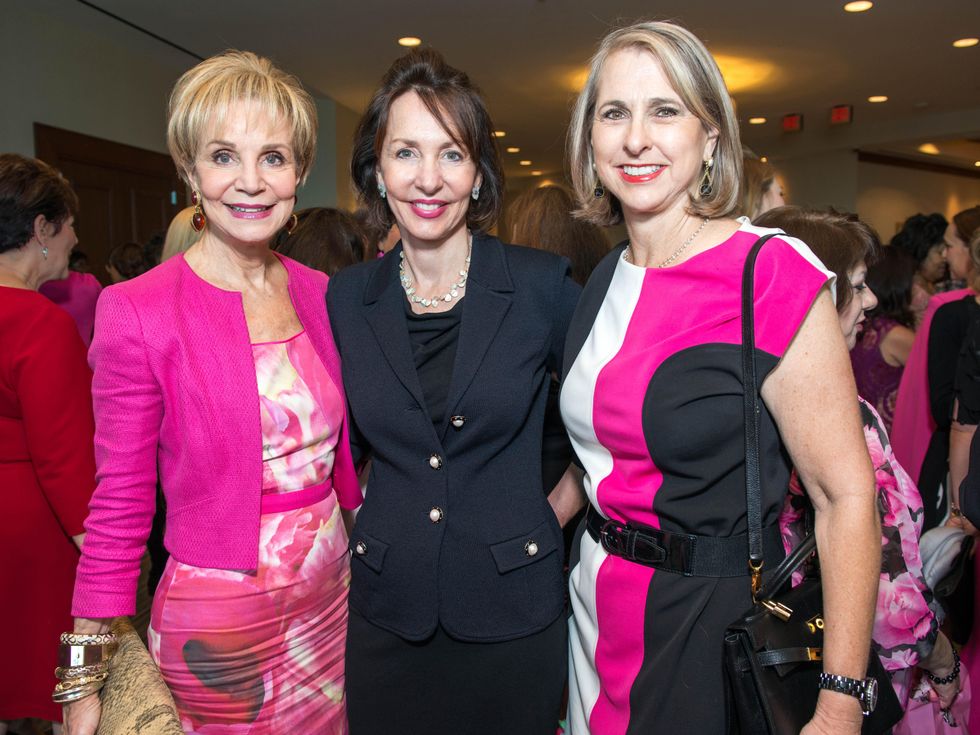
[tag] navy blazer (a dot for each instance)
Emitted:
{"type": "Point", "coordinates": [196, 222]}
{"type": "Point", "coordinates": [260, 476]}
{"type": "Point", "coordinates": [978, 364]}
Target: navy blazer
{"type": "Point", "coordinates": [455, 528]}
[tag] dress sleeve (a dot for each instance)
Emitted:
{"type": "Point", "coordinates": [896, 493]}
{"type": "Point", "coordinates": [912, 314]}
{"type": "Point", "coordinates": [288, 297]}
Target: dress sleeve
{"type": "Point", "coordinates": [128, 412]}
{"type": "Point", "coordinates": [967, 381]}
{"type": "Point", "coordinates": [54, 387]}
{"type": "Point", "coordinates": [905, 626]}
{"type": "Point", "coordinates": [788, 278]}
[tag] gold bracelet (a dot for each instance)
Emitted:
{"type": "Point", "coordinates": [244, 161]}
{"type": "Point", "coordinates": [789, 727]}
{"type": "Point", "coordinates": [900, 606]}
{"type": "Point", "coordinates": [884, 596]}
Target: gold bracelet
{"type": "Point", "coordinates": [78, 681]}
{"type": "Point", "coordinates": [88, 639]}
{"type": "Point", "coordinates": [73, 695]}
{"type": "Point", "coordinates": [71, 672]}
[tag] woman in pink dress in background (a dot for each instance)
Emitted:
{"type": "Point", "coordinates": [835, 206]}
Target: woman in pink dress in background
{"type": "Point", "coordinates": [219, 367]}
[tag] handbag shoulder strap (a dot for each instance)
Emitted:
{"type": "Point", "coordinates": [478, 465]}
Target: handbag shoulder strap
{"type": "Point", "coordinates": [750, 392]}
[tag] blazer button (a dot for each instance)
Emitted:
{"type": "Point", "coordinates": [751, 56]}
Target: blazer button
{"type": "Point", "coordinates": [435, 515]}
{"type": "Point", "coordinates": [360, 548]}
{"type": "Point", "coordinates": [435, 462]}
{"type": "Point", "coordinates": [531, 548]}
{"type": "Point", "coordinates": [457, 421]}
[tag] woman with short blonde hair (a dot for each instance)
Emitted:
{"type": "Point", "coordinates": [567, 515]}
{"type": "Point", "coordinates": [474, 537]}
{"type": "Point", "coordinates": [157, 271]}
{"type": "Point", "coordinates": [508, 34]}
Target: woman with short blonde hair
{"type": "Point", "coordinates": [219, 367]}
{"type": "Point", "coordinates": [652, 400]}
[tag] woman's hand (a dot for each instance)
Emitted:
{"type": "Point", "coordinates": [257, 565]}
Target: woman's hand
{"type": "Point", "coordinates": [82, 717]}
{"type": "Point", "coordinates": [836, 714]}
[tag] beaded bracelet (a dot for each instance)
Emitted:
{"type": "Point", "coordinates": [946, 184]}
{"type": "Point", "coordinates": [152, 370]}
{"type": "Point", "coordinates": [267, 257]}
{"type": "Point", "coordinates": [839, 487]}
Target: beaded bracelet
{"type": "Point", "coordinates": [952, 676]}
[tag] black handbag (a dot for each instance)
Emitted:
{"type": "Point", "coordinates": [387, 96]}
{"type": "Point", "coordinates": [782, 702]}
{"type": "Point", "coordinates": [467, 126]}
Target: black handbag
{"type": "Point", "coordinates": [773, 653]}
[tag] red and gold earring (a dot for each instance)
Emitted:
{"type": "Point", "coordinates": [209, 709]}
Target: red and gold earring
{"type": "Point", "coordinates": [198, 220]}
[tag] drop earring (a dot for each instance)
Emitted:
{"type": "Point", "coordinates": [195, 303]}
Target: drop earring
{"type": "Point", "coordinates": [382, 190]}
{"type": "Point", "coordinates": [198, 220]}
{"type": "Point", "coordinates": [706, 178]}
{"type": "Point", "coordinates": [598, 192]}
{"type": "Point", "coordinates": [44, 252]}
{"type": "Point", "coordinates": [475, 193]}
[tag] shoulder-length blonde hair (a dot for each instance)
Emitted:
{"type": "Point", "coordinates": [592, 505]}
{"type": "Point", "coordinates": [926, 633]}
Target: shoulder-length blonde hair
{"type": "Point", "coordinates": [202, 97]}
{"type": "Point", "coordinates": [694, 75]}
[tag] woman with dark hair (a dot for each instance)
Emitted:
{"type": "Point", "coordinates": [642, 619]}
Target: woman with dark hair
{"type": "Point", "coordinates": [126, 262]}
{"type": "Point", "coordinates": [923, 409]}
{"type": "Point", "coordinates": [921, 237]}
{"type": "Point", "coordinates": [448, 345]}
{"type": "Point", "coordinates": [884, 344]}
{"type": "Point", "coordinates": [324, 239]}
{"type": "Point", "coordinates": [906, 631]}
{"type": "Point", "coordinates": [47, 463]}
{"type": "Point", "coordinates": [542, 218]}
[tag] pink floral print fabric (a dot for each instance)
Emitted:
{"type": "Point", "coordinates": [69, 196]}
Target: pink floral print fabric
{"type": "Point", "coordinates": [257, 653]}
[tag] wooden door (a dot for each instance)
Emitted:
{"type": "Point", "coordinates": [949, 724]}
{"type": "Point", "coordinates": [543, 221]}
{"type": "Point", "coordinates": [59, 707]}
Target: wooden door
{"type": "Point", "coordinates": [126, 194]}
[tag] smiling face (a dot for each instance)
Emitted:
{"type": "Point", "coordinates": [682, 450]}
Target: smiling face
{"type": "Point", "coordinates": [246, 175]}
{"type": "Point", "coordinates": [862, 300]}
{"type": "Point", "coordinates": [428, 176]}
{"type": "Point", "coordinates": [649, 149]}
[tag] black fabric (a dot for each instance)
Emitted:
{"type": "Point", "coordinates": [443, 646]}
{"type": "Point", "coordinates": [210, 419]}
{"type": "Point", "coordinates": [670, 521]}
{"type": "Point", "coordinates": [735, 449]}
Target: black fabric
{"type": "Point", "coordinates": [488, 477]}
{"type": "Point", "coordinates": [970, 487]}
{"type": "Point", "coordinates": [434, 339]}
{"type": "Point", "coordinates": [967, 381]}
{"type": "Point", "coordinates": [441, 686]}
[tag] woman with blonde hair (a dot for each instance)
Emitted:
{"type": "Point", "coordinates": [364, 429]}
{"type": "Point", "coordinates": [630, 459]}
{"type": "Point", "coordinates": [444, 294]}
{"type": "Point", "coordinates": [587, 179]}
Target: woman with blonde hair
{"type": "Point", "coordinates": [652, 398]}
{"type": "Point", "coordinates": [219, 367]}
{"type": "Point", "coordinates": [761, 188]}
{"type": "Point", "coordinates": [180, 234]}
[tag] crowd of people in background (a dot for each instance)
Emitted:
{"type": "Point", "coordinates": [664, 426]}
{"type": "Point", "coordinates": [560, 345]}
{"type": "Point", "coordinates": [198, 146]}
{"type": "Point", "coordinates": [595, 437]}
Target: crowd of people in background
{"type": "Point", "coordinates": [519, 416]}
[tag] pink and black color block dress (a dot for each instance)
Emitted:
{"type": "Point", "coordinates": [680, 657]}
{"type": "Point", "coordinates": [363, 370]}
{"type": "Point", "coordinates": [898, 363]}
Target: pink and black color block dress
{"type": "Point", "coordinates": [652, 400]}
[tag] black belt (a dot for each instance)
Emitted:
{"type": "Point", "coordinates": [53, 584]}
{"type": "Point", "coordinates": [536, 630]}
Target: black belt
{"type": "Point", "coordinates": [681, 553]}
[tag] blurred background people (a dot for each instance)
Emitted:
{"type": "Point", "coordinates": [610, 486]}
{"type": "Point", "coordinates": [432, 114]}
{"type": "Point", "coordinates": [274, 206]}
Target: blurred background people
{"type": "Point", "coordinates": [541, 218]}
{"type": "Point", "coordinates": [125, 262]}
{"type": "Point", "coordinates": [218, 369]}
{"type": "Point", "coordinates": [47, 464]}
{"type": "Point", "coordinates": [180, 234]}
{"type": "Point", "coordinates": [324, 238]}
{"type": "Point", "coordinates": [77, 293]}
{"type": "Point", "coordinates": [762, 189]}
{"type": "Point", "coordinates": [883, 346]}
{"type": "Point", "coordinates": [921, 237]}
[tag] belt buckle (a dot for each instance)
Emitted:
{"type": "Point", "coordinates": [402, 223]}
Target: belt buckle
{"type": "Point", "coordinates": [631, 543]}
{"type": "Point", "coordinates": [611, 536]}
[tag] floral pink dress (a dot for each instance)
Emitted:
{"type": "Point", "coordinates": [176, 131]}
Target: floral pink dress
{"type": "Point", "coordinates": [905, 626]}
{"type": "Point", "coordinates": [262, 652]}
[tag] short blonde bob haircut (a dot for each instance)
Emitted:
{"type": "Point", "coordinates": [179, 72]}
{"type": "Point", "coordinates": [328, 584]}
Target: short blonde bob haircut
{"type": "Point", "coordinates": [203, 96]}
{"type": "Point", "coordinates": [694, 75]}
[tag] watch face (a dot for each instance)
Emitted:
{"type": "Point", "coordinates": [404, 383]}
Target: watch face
{"type": "Point", "coordinates": [870, 695]}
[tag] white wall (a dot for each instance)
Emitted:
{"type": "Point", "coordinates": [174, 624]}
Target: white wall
{"type": "Point", "coordinates": [887, 194]}
{"type": "Point", "coordinates": [69, 66]}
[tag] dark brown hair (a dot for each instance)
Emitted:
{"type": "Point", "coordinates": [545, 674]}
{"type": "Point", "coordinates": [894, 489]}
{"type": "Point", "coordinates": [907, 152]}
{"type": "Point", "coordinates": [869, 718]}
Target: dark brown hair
{"type": "Point", "coordinates": [841, 241]}
{"type": "Point", "coordinates": [542, 218]}
{"type": "Point", "coordinates": [455, 102]}
{"type": "Point", "coordinates": [890, 279]}
{"type": "Point", "coordinates": [967, 222]}
{"type": "Point", "coordinates": [324, 238]}
{"type": "Point", "coordinates": [29, 187]}
{"type": "Point", "coordinates": [128, 260]}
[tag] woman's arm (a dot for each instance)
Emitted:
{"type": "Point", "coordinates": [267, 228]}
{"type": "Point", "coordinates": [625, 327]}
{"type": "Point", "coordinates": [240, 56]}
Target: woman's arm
{"type": "Point", "coordinates": [826, 443]}
{"type": "Point", "coordinates": [568, 496]}
{"type": "Point", "coordinates": [897, 345]}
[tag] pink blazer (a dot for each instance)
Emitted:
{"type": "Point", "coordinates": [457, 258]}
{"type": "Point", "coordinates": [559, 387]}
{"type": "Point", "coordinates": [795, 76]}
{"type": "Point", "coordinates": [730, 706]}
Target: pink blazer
{"type": "Point", "coordinates": [174, 387]}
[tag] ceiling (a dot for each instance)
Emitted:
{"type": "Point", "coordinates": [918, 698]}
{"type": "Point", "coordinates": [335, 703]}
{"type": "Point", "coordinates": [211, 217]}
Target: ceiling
{"type": "Point", "coordinates": [529, 57]}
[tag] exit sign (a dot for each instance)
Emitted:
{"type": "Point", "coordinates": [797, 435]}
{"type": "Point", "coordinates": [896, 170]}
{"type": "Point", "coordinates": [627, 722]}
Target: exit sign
{"type": "Point", "coordinates": [841, 114]}
{"type": "Point", "coordinates": [792, 123]}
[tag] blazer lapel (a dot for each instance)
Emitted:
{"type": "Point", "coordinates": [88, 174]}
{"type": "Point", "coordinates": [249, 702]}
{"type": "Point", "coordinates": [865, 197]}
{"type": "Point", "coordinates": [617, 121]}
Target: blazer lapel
{"type": "Point", "coordinates": [488, 298]}
{"type": "Point", "coordinates": [385, 314]}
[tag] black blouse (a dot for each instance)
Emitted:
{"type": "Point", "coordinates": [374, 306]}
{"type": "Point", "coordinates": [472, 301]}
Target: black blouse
{"type": "Point", "coordinates": [434, 338]}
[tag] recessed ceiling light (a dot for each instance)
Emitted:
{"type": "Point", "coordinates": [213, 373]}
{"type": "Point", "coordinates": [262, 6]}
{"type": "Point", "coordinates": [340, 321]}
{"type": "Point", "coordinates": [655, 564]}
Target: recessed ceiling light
{"type": "Point", "coordinates": [525, 163]}
{"type": "Point", "coordinates": [513, 149]}
{"type": "Point", "coordinates": [409, 41]}
{"type": "Point", "coordinates": [858, 6]}
{"type": "Point", "coordinates": [878, 98]}
{"type": "Point", "coordinates": [757, 121]}
{"type": "Point", "coordinates": [929, 148]}
{"type": "Point", "coordinates": [764, 159]}
{"type": "Point", "coordinates": [977, 164]}
{"type": "Point", "coordinates": [499, 133]}
{"type": "Point", "coordinates": [966, 42]}
{"type": "Point", "coordinates": [535, 173]}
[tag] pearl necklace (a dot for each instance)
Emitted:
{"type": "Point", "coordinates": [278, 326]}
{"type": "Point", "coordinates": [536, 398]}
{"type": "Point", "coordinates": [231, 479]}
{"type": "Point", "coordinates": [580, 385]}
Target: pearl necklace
{"type": "Point", "coordinates": [628, 252]}
{"type": "Point", "coordinates": [453, 292]}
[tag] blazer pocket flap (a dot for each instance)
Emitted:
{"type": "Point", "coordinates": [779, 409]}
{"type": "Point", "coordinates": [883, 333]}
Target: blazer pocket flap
{"type": "Point", "coordinates": [525, 549]}
{"type": "Point", "coordinates": [368, 550]}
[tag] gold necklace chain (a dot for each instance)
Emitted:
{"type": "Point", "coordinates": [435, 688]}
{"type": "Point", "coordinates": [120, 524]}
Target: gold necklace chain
{"type": "Point", "coordinates": [628, 253]}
